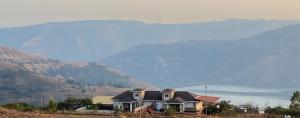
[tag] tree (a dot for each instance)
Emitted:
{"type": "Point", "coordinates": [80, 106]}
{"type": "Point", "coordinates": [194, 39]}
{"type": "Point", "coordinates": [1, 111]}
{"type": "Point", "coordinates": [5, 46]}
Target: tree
{"type": "Point", "coordinates": [52, 106]}
{"type": "Point", "coordinates": [295, 101]}
{"type": "Point", "coordinates": [211, 109]}
{"type": "Point", "coordinates": [74, 103]}
{"type": "Point", "coordinates": [86, 101]}
{"type": "Point", "coordinates": [225, 106]}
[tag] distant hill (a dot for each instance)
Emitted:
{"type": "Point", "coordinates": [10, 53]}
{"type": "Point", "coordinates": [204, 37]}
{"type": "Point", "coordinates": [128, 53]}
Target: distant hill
{"type": "Point", "coordinates": [30, 78]}
{"type": "Point", "coordinates": [94, 40]}
{"type": "Point", "coordinates": [270, 59]}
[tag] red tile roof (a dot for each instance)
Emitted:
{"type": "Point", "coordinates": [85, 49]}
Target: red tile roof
{"type": "Point", "coordinates": [210, 99]}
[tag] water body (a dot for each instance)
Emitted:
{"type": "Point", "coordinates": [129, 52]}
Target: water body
{"type": "Point", "coordinates": [260, 97]}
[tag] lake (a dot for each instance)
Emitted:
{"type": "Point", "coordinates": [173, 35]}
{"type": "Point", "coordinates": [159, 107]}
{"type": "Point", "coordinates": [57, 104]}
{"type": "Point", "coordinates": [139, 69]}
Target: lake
{"type": "Point", "coordinates": [261, 97]}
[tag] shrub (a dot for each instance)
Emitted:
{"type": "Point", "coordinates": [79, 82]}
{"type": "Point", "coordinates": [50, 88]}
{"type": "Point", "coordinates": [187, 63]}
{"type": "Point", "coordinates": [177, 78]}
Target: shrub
{"type": "Point", "coordinates": [283, 111]}
{"type": "Point", "coordinates": [210, 110]}
{"type": "Point", "coordinates": [73, 103]}
{"type": "Point", "coordinates": [52, 106]}
{"type": "Point", "coordinates": [170, 111]}
{"type": "Point", "coordinates": [20, 106]}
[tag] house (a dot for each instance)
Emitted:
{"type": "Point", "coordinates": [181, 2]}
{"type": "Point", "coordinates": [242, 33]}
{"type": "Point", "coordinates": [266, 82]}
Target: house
{"type": "Point", "coordinates": [181, 101]}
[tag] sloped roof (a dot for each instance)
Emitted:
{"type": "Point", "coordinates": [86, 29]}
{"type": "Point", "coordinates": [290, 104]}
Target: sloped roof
{"type": "Point", "coordinates": [179, 96]}
{"type": "Point", "coordinates": [152, 95]}
{"type": "Point", "coordinates": [125, 97]}
{"type": "Point", "coordinates": [184, 95]}
{"type": "Point", "coordinates": [102, 99]}
{"type": "Point", "coordinates": [176, 100]}
{"type": "Point", "coordinates": [168, 90]}
{"type": "Point", "coordinates": [210, 99]}
{"type": "Point", "coordinates": [187, 96]}
{"type": "Point", "coordinates": [139, 89]}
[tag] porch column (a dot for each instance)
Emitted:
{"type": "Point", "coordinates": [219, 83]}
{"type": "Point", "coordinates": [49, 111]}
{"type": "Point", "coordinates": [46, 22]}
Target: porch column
{"type": "Point", "coordinates": [183, 108]}
{"type": "Point", "coordinates": [130, 107]}
{"type": "Point", "coordinates": [119, 106]}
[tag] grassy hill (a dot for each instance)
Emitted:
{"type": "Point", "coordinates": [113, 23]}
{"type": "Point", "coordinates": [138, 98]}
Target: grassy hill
{"type": "Point", "coordinates": [30, 78]}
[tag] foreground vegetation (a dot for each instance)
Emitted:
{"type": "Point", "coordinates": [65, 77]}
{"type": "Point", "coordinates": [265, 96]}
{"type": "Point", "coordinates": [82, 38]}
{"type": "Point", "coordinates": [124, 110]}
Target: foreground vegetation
{"type": "Point", "coordinates": [70, 104]}
{"type": "Point", "coordinates": [6, 113]}
{"type": "Point", "coordinates": [66, 109]}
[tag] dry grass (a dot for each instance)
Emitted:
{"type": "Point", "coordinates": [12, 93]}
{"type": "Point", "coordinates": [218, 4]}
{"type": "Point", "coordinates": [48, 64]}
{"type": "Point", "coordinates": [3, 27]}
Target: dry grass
{"type": "Point", "coordinates": [4, 113]}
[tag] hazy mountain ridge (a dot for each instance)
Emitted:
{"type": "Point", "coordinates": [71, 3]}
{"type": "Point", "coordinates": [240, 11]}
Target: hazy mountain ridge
{"type": "Point", "coordinates": [266, 60]}
{"type": "Point", "coordinates": [93, 40]}
{"type": "Point", "coordinates": [85, 71]}
{"type": "Point", "coordinates": [29, 78]}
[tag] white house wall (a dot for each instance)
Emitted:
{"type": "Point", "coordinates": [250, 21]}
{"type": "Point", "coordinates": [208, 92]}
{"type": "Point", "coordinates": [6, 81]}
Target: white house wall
{"type": "Point", "coordinates": [159, 105]}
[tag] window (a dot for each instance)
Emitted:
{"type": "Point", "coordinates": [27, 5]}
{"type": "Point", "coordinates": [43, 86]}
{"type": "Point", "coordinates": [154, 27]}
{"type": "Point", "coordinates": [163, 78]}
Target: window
{"type": "Point", "coordinates": [136, 95]}
{"type": "Point", "coordinates": [166, 95]}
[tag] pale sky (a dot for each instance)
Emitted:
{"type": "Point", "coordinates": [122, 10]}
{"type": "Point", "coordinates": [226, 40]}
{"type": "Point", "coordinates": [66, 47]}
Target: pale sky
{"type": "Point", "coordinates": [26, 12]}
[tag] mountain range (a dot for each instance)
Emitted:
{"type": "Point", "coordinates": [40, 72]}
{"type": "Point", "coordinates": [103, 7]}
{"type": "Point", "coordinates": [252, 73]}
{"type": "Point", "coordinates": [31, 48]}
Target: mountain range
{"type": "Point", "coordinates": [98, 39]}
{"type": "Point", "coordinates": [31, 78]}
{"type": "Point", "coordinates": [270, 59]}
{"type": "Point", "coordinates": [87, 58]}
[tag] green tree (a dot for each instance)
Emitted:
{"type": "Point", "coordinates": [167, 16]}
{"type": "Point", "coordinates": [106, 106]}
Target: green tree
{"type": "Point", "coordinates": [74, 103]}
{"type": "Point", "coordinates": [295, 101]}
{"type": "Point", "coordinates": [211, 109]}
{"type": "Point", "coordinates": [52, 106]}
{"type": "Point", "coordinates": [225, 106]}
{"type": "Point", "coordinates": [86, 101]}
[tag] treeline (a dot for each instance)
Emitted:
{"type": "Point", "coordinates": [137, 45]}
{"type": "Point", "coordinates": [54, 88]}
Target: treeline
{"type": "Point", "coordinates": [227, 109]}
{"type": "Point", "coordinates": [69, 104]}
{"type": "Point", "coordinates": [222, 108]}
{"type": "Point", "coordinates": [293, 110]}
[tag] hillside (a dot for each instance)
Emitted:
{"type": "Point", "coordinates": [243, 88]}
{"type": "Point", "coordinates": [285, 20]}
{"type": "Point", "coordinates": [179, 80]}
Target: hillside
{"type": "Point", "coordinates": [25, 86]}
{"type": "Point", "coordinates": [270, 59]}
{"type": "Point", "coordinates": [94, 40]}
{"type": "Point", "coordinates": [30, 78]}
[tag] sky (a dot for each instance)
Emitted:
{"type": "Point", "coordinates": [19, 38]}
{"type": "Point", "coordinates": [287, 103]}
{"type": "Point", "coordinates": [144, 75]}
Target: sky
{"type": "Point", "coordinates": [27, 12]}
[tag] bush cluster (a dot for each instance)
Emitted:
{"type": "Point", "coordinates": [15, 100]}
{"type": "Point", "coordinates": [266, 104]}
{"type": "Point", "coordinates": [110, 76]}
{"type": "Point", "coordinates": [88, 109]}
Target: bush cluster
{"type": "Point", "coordinates": [20, 106]}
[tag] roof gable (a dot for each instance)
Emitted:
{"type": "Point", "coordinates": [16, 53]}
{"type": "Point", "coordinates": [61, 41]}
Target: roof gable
{"type": "Point", "coordinates": [168, 90]}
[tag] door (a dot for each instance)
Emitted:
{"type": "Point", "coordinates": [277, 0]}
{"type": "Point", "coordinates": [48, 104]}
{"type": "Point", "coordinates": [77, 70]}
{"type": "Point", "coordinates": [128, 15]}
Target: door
{"type": "Point", "coordinates": [158, 106]}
